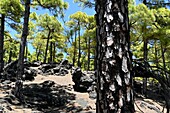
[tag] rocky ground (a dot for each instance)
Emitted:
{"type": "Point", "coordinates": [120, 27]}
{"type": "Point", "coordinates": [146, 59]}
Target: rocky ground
{"type": "Point", "coordinates": [55, 93]}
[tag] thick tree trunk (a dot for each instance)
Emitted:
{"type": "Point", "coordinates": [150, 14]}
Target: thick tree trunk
{"type": "Point", "coordinates": [2, 27]}
{"type": "Point", "coordinates": [75, 46]}
{"type": "Point", "coordinates": [20, 70]}
{"type": "Point", "coordinates": [113, 66]}
{"type": "Point", "coordinates": [79, 55]}
{"type": "Point", "coordinates": [145, 55]}
{"type": "Point", "coordinates": [88, 62]}
{"type": "Point", "coordinates": [48, 39]}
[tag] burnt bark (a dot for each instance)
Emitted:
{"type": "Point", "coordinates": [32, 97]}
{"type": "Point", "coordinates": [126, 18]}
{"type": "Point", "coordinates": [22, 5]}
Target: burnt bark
{"type": "Point", "coordinates": [2, 27]}
{"type": "Point", "coordinates": [20, 65]}
{"type": "Point", "coordinates": [145, 55]}
{"type": "Point", "coordinates": [113, 61]}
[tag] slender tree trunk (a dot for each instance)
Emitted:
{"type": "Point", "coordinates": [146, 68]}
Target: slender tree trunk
{"type": "Point", "coordinates": [88, 62]}
{"type": "Point", "coordinates": [156, 53]}
{"type": "Point", "coordinates": [2, 27]}
{"type": "Point", "coordinates": [10, 56]}
{"type": "Point", "coordinates": [51, 52]}
{"type": "Point", "coordinates": [145, 55]}
{"type": "Point", "coordinates": [48, 39]}
{"type": "Point", "coordinates": [79, 55]}
{"type": "Point", "coordinates": [156, 58]}
{"type": "Point", "coordinates": [113, 61]}
{"type": "Point", "coordinates": [75, 46]}
{"type": "Point", "coordinates": [54, 51]}
{"type": "Point", "coordinates": [20, 70]}
{"type": "Point", "coordinates": [38, 51]}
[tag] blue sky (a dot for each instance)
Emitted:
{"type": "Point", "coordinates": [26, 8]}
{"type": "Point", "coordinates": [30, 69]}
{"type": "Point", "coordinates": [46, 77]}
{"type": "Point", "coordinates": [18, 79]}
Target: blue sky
{"type": "Point", "coordinates": [73, 8]}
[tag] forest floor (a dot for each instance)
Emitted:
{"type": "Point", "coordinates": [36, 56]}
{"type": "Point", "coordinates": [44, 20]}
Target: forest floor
{"type": "Point", "coordinates": [76, 102]}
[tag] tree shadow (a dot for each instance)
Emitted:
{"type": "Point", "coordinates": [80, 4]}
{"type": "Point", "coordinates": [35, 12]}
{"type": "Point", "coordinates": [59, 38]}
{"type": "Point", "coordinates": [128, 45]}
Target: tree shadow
{"type": "Point", "coordinates": [49, 97]}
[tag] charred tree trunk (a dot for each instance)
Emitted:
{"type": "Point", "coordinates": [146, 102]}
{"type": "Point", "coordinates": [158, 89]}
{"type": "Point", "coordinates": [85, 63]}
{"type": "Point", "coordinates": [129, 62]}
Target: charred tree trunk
{"type": "Point", "coordinates": [75, 46]}
{"type": "Point", "coordinates": [48, 39]}
{"type": "Point", "coordinates": [20, 70]}
{"type": "Point", "coordinates": [2, 27]}
{"type": "Point", "coordinates": [113, 66]}
{"type": "Point", "coordinates": [145, 54]}
{"type": "Point", "coordinates": [88, 65]}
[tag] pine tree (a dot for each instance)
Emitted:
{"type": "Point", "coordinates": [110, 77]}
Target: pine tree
{"type": "Point", "coordinates": [113, 60]}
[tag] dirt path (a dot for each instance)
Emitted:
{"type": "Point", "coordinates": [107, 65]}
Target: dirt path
{"type": "Point", "coordinates": [81, 100]}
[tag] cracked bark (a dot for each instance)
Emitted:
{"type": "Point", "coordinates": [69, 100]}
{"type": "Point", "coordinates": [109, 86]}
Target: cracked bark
{"type": "Point", "coordinates": [113, 61]}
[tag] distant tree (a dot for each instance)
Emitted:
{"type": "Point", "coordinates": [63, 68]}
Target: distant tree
{"type": "Point", "coordinates": [113, 60]}
{"type": "Point", "coordinates": [79, 19]}
{"type": "Point", "coordinates": [49, 25]}
{"type": "Point", "coordinates": [72, 41]}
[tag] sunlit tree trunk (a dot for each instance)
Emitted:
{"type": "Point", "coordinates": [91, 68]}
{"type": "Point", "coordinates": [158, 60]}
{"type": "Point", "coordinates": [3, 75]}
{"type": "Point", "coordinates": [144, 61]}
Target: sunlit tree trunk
{"type": "Point", "coordinates": [2, 27]}
{"type": "Point", "coordinates": [113, 66]}
{"type": "Point", "coordinates": [75, 46]}
{"type": "Point", "coordinates": [79, 54]}
{"type": "Point", "coordinates": [20, 70]}
{"type": "Point", "coordinates": [26, 52]}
